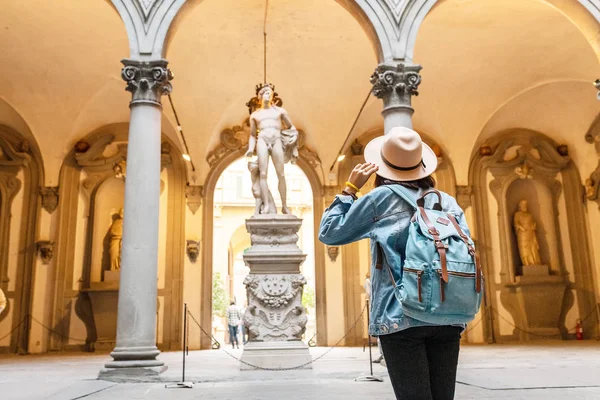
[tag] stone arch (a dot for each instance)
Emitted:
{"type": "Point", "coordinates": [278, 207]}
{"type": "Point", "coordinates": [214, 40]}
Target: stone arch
{"type": "Point", "coordinates": [232, 147]}
{"type": "Point", "coordinates": [21, 171]}
{"type": "Point", "coordinates": [96, 155]}
{"type": "Point", "coordinates": [147, 23]}
{"type": "Point", "coordinates": [495, 165]}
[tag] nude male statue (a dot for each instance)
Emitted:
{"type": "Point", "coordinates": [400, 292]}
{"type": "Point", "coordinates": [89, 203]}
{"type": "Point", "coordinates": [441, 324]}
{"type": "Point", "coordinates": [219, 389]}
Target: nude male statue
{"type": "Point", "coordinates": [525, 227]}
{"type": "Point", "coordinates": [268, 139]}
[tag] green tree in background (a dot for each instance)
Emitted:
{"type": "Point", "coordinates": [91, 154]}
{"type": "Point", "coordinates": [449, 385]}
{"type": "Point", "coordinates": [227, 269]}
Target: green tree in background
{"type": "Point", "coordinates": [219, 304]}
{"type": "Point", "coordinates": [308, 297]}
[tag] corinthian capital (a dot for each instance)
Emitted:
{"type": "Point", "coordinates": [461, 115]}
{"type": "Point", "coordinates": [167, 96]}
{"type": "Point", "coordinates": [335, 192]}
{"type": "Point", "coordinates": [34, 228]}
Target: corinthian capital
{"type": "Point", "coordinates": [147, 80]}
{"type": "Point", "coordinates": [396, 82]}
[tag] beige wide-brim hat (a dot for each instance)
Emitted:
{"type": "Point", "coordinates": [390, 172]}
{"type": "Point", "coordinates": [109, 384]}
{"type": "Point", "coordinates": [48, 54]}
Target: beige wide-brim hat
{"type": "Point", "coordinates": [401, 155]}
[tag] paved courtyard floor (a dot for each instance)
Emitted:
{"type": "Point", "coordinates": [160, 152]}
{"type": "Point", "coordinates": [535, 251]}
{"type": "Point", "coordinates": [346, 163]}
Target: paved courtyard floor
{"type": "Point", "coordinates": [549, 370]}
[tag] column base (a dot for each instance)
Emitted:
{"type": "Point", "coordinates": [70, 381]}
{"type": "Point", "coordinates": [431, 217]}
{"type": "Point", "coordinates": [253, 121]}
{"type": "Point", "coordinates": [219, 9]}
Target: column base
{"type": "Point", "coordinates": [123, 374]}
{"type": "Point", "coordinates": [133, 364]}
{"type": "Point", "coordinates": [290, 354]}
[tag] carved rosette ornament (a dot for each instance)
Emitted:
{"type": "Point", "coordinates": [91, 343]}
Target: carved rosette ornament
{"type": "Point", "coordinates": [275, 312]}
{"type": "Point", "coordinates": [147, 81]}
{"type": "Point", "coordinates": [395, 84]}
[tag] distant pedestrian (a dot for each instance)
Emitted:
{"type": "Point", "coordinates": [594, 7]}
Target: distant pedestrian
{"type": "Point", "coordinates": [233, 320]}
{"type": "Point", "coordinates": [242, 328]}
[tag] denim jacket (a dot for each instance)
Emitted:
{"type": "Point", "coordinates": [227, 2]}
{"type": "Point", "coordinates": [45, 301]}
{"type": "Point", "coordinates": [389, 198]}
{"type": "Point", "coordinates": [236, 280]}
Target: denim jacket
{"type": "Point", "coordinates": [384, 217]}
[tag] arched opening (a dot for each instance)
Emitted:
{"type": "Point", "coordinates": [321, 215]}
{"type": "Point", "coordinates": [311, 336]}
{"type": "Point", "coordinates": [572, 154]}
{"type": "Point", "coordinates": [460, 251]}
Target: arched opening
{"type": "Point", "coordinates": [308, 169]}
{"type": "Point", "coordinates": [233, 204]}
{"type": "Point", "coordinates": [21, 176]}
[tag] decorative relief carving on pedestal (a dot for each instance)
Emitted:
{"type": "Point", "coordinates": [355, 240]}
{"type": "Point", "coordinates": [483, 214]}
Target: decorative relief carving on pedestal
{"type": "Point", "coordinates": [49, 198]}
{"type": "Point", "coordinates": [396, 83]}
{"type": "Point", "coordinates": [193, 194]}
{"type": "Point", "coordinates": [275, 312]}
{"type": "Point", "coordinates": [274, 236]}
{"type": "Point", "coordinates": [147, 81]}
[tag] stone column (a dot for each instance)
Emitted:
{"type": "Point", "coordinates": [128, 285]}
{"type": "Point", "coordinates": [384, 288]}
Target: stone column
{"type": "Point", "coordinates": [395, 84]}
{"type": "Point", "coordinates": [135, 352]}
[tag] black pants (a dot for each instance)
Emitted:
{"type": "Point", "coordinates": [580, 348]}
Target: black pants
{"type": "Point", "coordinates": [422, 362]}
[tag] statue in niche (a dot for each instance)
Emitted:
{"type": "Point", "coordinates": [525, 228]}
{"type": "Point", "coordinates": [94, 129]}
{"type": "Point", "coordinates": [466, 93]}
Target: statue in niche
{"type": "Point", "coordinates": [268, 138]}
{"type": "Point", "coordinates": [525, 226]}
{"type": "Point", "coordinates": [254, 175]}
{"type": "Point", "coordinates": [116, 239]}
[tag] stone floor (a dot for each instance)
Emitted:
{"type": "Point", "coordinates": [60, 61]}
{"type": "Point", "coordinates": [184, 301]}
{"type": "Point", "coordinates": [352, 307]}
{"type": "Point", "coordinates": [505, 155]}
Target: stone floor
{"type": "Point", "coordinates": [549, 370]}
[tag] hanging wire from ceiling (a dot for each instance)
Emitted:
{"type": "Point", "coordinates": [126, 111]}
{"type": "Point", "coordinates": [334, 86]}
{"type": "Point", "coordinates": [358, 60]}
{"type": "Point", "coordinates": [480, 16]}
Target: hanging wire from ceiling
{"type": "Point", "coordinates": [265, 41]}
{"type": "Point", "coordinates": [186, 155]}
{"type": "Point", "coordinates": [340, 155]}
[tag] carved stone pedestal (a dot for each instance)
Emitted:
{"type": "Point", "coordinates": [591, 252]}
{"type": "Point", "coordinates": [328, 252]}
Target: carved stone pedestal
{"type": "Point", "coordinates": [540, 297]}
{"type": "Point", "coordinates": [104, 297]}
{"type": "Point", "coordinates": [275, 317]}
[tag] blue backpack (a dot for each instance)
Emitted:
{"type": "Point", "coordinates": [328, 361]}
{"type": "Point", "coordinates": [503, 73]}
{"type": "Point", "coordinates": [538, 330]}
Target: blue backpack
{"type": "Point", "coordinates": [441, 274]}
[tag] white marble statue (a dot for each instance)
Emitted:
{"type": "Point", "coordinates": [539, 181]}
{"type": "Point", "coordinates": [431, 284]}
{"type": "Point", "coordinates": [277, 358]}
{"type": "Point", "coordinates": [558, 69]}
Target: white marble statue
{"type": "Point", "coordinates": [256, 191]}
{"type": "Point", "coordinates": [269, 139]}
{"type": "Point", "coordinates": [116, 240]}
{"type": "Point", "coordinates": [525, 226]}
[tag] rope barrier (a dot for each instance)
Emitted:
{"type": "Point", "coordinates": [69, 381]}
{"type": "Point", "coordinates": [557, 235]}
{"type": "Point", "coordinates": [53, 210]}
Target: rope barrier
{"type": "Point", "coordinates": [215, 345]}
{"type": "Point", "coordinates": [360, 317]}
{"type": "Point", "coordinates": [472, 326]}
{"type": "Point", "coordinates": [15, 328]}
{"type": "Point", "coordinates": [590, 314]}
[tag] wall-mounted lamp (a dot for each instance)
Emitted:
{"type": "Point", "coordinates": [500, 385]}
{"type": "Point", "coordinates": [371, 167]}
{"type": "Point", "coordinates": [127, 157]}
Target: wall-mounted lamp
{"type": "Point", "coordinates": [341, 158]}
{"type": "Point", "coordinates": [186, 157]}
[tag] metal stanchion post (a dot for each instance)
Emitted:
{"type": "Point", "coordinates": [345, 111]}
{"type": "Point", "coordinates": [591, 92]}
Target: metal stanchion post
{"type": "Point", "coordinates": [184, 350]}
{"type": "Point", "coordinates": [370, 377]}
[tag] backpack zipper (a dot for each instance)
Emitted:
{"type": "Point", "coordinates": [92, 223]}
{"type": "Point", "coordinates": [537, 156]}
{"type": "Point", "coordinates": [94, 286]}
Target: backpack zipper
{"type": "Point", "coordinates": [419, 273]}
{"type": "Point", "coordinates": [440, 273]}
{"type": "Point", "coordinates": [463, 274]}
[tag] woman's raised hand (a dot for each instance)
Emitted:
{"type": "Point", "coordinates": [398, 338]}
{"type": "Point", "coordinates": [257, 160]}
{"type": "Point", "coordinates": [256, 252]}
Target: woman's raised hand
{"type": "Point", "coordinates": [359, 176]}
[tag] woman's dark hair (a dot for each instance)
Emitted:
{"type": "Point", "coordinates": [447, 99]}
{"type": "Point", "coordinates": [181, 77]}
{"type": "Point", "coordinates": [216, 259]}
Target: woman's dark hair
{"type": "Point", "coordinates": [424, 183]}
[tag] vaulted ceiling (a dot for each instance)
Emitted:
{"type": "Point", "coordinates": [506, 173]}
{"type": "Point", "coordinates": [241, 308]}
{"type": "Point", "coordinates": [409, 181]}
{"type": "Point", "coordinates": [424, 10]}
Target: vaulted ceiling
{"type": "Point", "coordinates": [488, 65]}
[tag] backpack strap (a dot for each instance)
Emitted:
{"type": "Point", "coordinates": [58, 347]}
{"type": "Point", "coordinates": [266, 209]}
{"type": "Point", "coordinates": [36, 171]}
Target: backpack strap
{"type": "Point", "coordinates": [404, 193]}
{"type": "Point", "coordinates": [472, 251]}
{"type": "Point", "coordinates": [419, 206]}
